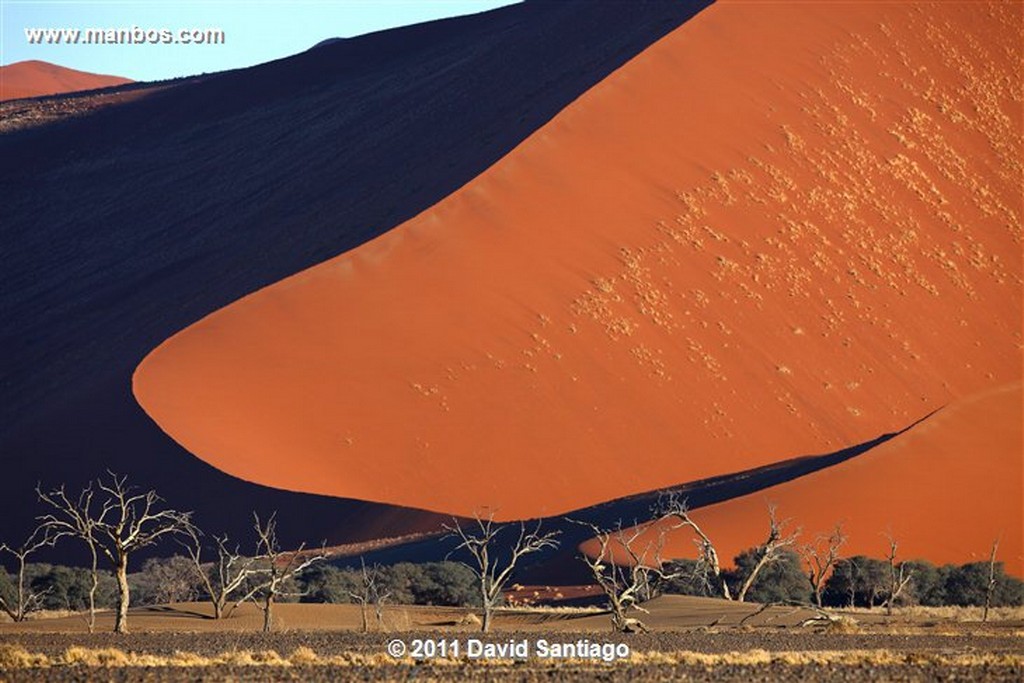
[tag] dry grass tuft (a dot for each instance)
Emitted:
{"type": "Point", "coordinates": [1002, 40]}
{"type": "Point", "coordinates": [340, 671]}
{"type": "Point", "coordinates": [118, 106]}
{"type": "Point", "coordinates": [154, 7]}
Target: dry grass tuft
{"type": "Point", "coordinates": [303, 656]}
{"type": "Point", "coordinates": [189, 659]}
{"type": "Point", "coordinates": [470, 619]}
{"type": "Point", "coordinates": [17, 657]}
{"type": "Point", "coordinates": [108, 656]}
{"type": "Point", "coordinates": [251, 658]}
{"type": "Point", "coordinates": [842, 624]}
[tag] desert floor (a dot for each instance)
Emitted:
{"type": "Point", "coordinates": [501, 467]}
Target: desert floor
{"type": "Point", "coordinates": [691, 639]}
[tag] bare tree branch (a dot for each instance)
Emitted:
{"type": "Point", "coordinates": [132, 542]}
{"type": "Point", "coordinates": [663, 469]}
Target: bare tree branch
{"type": "Point", "coordinates": [770, 550]}
{"type": "Point", "coordinates": [371, 592]}
{"type": "Point", "coordinates": [990, 588]}
{"type": "Point", "coordinates": [821, 557]}
{"type": "Point", "coordinates": [124, 522]}
{"type": "Point", "coordinates": [629, 583]}
{"type": "Point", "coordinates": [899, 576]}
{"type": "Point", "coordinates": [75, 519]}
{"type": "Point", "coordinates": [492, 567]}
{"type": "Point", "coordinates": [675, 509]}
{"type": "Point", "coordinates": [225, 574]}
{"type": "Point", "coordinates": [276, 567]}
{"type": "Point", "coordinates": [26, 600]}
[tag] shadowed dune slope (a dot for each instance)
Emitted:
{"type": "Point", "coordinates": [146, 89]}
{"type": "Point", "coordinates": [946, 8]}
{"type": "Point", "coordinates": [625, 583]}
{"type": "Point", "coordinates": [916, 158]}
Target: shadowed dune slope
{"type": "Point", "coordinates": [126, 224]}
{"type": "Point", "coordinates": [33, 78]}
{"type": "Point", "coordinates": [944, 490]}
{"type": "Point", "coordinates": [782, 229]}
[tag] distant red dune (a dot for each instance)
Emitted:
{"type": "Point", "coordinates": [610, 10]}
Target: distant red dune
{"type": "Point", "coordinates": [33, 78]}
{"type": "Point", "coordinates": [945, 490]}
{"type": "Point", "coordinates": [783, 229]}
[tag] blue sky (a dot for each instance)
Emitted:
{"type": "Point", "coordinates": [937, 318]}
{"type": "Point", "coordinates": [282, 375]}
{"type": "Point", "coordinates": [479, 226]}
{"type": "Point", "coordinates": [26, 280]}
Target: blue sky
{"type": "Point", "coordinates": [255, 31]}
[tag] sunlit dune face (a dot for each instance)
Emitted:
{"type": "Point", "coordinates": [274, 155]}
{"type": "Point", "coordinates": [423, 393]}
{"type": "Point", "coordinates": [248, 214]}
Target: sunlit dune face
{"type": "Point", "coordinates": [781, 230]}
{"type": "Point", "coordinates": [944, 491]}
{"type": "Point", "coordinates": [34, 78]}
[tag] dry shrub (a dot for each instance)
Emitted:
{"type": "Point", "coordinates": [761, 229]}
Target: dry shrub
{"type": "Point", "coordinates": [181, 658]}
{"type": "Point", "coordinates": [654, 657]}
{"type": "Point", "coordinates": [269, 658]}
{"type": "Point", "coordinates": [359, 659]}
{"type": "Point", "coordinates": [303, 656]}
{"type": "Point", "coordinates": [17, 657]}
{"type": "Point", "coordinates": [252, 658]}
{"type": "Point", "coordinates": [236, 658]}
{"type": "Point", "coordinates": [842, 624]}
{"type": "Point", "coordinates": [150, 660]}
{"type": "Point", "coordinates": [108, 656]}
{"type": "Point", "coordinates": [470, 619]}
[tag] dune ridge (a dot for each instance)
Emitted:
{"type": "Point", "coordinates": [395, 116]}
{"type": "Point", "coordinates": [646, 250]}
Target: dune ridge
{"type": "Point", "coordinates": [688, 272]}
{"type": "Point", "coordinates": [131, 213]}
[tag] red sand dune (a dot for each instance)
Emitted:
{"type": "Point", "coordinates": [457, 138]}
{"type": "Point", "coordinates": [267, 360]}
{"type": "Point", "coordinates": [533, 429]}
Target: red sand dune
{"type": "Point", "coordinates": [33, 78]}
{"type": "Point", "coordinates": [783, 229]}
{"type": "Point", "coordinates": [944, 490]}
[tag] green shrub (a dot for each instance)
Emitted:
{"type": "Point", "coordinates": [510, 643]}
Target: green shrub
{"type": "Point", "coordinates": [431, 583]}
{"type": "Point", "coordinates": [782, 580]}
{"type": "Point", "coordinates": [857, 581]}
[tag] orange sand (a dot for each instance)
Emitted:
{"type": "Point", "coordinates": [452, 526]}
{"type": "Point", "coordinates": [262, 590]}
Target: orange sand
{"type": "Point", "coordinates": [944, 490]}
{"type": "Point", "coordinates": [783, 229]}
{"type": "Point", "coordinates": [33, 78]}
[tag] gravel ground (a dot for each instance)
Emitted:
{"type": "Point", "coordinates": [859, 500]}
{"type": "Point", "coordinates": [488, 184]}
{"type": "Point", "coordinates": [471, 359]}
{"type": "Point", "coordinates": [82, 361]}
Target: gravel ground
{"type": "Point", "coordinates": [766, 673]}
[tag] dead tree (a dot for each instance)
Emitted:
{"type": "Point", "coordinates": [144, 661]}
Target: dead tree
{"type": "Point", "coordinates": [851, 591]}
{"type": "Point", "coordinates": [380, 598]}
{"type": "Point", "coordinates": [492, 567]}
{"type": "Point", "coordinates": [770, 550]}
{"type": "Point", "coordinates": [224, 575]}
{"type": "Point", "coordinates": [632, 578]}
{"type": "Point", "coordinates": [371, 592]}
{"type": "Point", "coordinates": [990, 588]}
{"type": "Point", "coordinates": [124, 522]}
{"type": "Point", "coordinates": [673, 508]}
{"type": "Point", "coordinates": [26, 600]}
{"type": "Point", "coordinates": [276, 567]}
{"type": "Point", "coordinates": [75, 518]}
{"type": "Point", "coordinates": [821, 557]}
{"type": "Point", "coordinates": [899, 576]}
